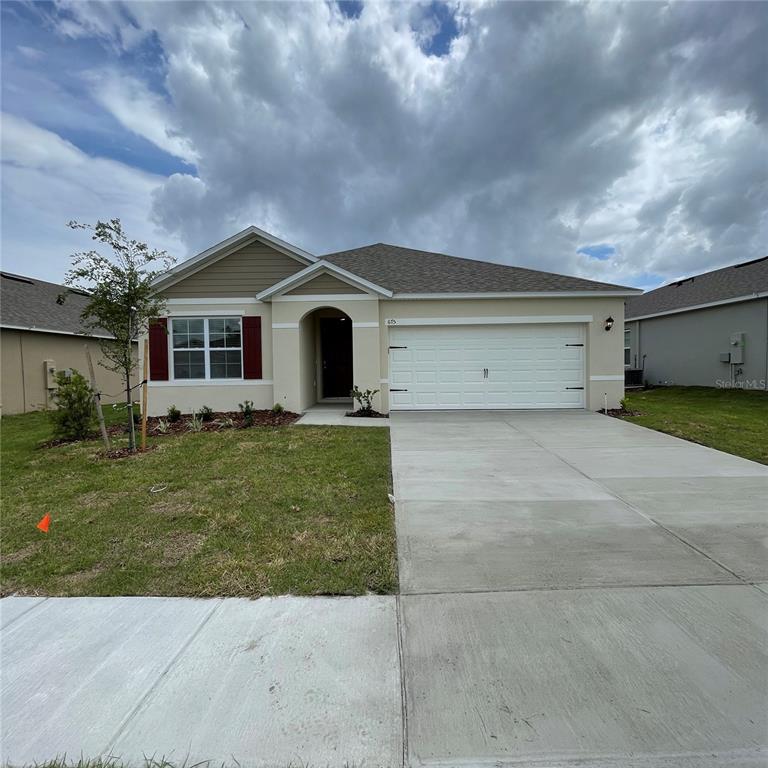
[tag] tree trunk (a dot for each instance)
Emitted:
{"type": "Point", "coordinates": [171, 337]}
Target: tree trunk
{"type": "Point", "coordinates": [97, 399]}
{"type": "Point", "coordinates": [129, 404]}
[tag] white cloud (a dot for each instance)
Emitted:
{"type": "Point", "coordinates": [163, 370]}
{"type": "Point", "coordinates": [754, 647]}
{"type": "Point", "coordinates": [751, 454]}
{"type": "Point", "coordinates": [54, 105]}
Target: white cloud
{"type": "Point", "coordinates": [546, 128]}
{"type": "Point", "coordinates": [47, 181]}
{"type": "Point", "coordinates": [141, 111]}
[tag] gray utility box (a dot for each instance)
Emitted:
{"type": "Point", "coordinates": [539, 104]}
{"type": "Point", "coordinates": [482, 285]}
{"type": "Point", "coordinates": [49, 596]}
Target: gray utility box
{"type": "Point", "coordinates": [725, 357]}
{"type": "Point", "coordinates": [737, 348]}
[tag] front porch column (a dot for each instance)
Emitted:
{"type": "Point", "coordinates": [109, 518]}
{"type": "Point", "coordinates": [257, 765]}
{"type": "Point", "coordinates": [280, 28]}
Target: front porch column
{"type": "Point", "coordinates": [366, 370]}
{"type": "Point", "coordinates": [286, 368]}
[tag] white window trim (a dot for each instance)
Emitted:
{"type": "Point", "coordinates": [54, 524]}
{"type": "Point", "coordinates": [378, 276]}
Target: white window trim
{"type": "Point", "coordinates": [628, 346]}
{"type": "Point", "coordinates": [206, 350]}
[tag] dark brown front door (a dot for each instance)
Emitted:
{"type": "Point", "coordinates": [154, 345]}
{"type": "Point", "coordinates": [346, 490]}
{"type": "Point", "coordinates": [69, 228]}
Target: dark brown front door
{"type": "Point", "coordinates": [336, 355]}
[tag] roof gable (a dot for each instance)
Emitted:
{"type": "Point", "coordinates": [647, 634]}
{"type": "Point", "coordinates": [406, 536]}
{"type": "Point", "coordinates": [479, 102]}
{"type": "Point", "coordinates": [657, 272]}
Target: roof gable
{"type": "Point", "coordinates": [322, 268]}
{"type": "Point", "coordinates": [226, 247]}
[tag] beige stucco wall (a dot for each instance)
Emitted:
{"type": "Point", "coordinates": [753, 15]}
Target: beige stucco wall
{"type": "Point", "coordinates": [292, 362]}
{"type": "Point", "coordinates": [244, 272]}
{"type": "Point", "coordinates": [289, 346]}
{"type": "Point", "coordinates": [221, 395]}
{"type": "Point", "coordinates": [604, 350]}
{"type": "Point", "coordinates": [23, 381]}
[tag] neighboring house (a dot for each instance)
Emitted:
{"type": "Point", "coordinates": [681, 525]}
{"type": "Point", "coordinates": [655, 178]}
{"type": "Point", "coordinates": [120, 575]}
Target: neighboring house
{"type": "Point", "coordinates": [41, 333]}
{"type": "Point", "coordinates": [255, 318]}
{"type": "Point", "coordinates": [709, 330]}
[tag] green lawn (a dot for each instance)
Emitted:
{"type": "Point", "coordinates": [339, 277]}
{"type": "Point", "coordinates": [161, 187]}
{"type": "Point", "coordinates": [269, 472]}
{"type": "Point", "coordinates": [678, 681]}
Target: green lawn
{"type": "Point", "coordinates": [731, 420]}
{"type": "Point", "coordinates": [260, 511]}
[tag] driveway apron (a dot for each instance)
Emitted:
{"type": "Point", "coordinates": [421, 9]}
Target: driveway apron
{"type": "Point", "coordinates": [578, 590]}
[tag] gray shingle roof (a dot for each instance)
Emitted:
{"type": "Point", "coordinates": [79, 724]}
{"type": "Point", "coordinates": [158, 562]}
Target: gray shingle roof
{"type": "Point", "coordinates": [744, 279]}
{"type": "Point", "coordinates": [27, 302]}
{"type": "Point", "coordinates": [405, 270]}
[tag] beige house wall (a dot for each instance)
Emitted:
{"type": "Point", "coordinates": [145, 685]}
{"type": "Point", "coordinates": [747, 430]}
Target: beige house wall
{"type": "Point", "coordinates": [604, 350]}
{"type": "Point", "coordinates": [293, 339]}
{"type": "Point", "coordinates": [24, 384]}
{"type": "Point", "coordinates": [290, 348]}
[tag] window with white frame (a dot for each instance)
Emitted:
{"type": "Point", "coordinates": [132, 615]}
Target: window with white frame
{"type": "Point", "coordinates": [207, 348]}
{"type": "Point", "coordinates": [627, 348]}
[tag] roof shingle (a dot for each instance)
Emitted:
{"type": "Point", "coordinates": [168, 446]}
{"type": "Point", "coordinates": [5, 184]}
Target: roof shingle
{"type": "Point", "coordinates": [405, 270]}
{"type": "Point", "coordinates": [744, 279]}
{"type": "Point", "coordinates": [27, 302]}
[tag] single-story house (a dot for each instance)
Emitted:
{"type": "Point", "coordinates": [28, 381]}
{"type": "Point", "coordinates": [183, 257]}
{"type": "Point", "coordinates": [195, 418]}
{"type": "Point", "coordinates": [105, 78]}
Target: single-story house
{"type": "Point", "coordinates": [708, 330]}
{"type": "Point", "coordinates": [41, 333]}
{"type": "Point", "coordinates": [257, 318]}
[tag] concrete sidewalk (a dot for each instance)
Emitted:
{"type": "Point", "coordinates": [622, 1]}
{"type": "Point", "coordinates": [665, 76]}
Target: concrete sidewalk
{"type": "Point", "coordinates": [275, 681]}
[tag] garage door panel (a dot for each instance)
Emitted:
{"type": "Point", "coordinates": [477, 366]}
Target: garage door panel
{"type": "Point", "coordinates": [528, 366]}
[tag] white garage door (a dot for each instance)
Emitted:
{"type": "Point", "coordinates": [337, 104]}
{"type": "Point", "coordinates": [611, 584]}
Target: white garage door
{"type": "Point", "coordinates": [487, 366]}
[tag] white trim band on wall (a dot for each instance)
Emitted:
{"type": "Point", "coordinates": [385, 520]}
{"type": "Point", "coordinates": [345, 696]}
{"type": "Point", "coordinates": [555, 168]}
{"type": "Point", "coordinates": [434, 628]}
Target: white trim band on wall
{"type": "Point", "coordinates": [213, 302]}
{"type": "Point", "coordinates": [365, 325]}
{"type": "Point", "coordinates": [617, 377]}
{"type": "Point", "coordinates": [327, 297]}
{"type": "Point", "coordinates": [211, 383]}
{"type": "Point", "coordinates": [283, 326]}
{"type": "Point", "coordinates": [394, 322]}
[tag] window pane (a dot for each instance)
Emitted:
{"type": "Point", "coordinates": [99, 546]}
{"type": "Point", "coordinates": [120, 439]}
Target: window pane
{"type": "Point", "coordinates": [189, 365]}
{"type": "Point", "coordinates": [626, 338]}
{"type": "Point", "coordinates": [216, 339]}
{"type": "Point", "coordinates": [626, 356]}
{"type": "Point", "coordinates": [216, 326]}
{"type": "Point", "coordinates": [225, 364]}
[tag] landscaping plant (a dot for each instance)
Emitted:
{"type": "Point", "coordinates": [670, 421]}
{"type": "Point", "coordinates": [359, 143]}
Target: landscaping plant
{"type": "Point", "coordinates": [174, 414]}
{"type": "Point", "coordinates": [246, 409]}
{"type": "Point", "coordinates": [121, 300]}
{"type": "Point", "coordinates": [73, 418]}
{"type": "Point", "coordinates": [365, 398]}
{"type": "Point", "coordinates": [277, 409]}
{"type": "Point", "coordinates": [206, 413]}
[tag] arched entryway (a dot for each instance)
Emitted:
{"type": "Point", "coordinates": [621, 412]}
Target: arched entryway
{"type": "Point", "coordinates": [326, 356]}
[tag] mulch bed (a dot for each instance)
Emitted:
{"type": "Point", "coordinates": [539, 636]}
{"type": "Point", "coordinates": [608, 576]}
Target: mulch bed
{"type": "Point", "coordinates": [367, 414]}
{"type": "Point", "coordinates": [218, 421]}
{"type": "Point", "coordinates": [620, 413]}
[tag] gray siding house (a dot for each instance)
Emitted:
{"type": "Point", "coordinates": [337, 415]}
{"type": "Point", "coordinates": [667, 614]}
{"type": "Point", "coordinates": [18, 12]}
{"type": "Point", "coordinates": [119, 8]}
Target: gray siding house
{"type": "Point", "coordinates": [708, 330]}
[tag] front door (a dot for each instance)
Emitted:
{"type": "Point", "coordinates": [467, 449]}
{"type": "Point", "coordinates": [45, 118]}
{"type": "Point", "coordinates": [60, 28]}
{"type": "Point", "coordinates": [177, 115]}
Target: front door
{"type": "Point", "coordinates": [336, 355]}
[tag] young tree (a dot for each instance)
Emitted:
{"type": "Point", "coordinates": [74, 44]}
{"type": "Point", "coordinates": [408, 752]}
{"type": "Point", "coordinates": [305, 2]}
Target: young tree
{"type": "Point", "coordinates": [121, 298]}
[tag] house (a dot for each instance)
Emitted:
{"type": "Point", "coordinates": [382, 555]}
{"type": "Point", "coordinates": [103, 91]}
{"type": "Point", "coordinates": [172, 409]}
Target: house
{"type": "Point", "coordinates": [708, 330]}
{"type": "Point", "coordinates": [41, 333]}
{"type": "Point", "coordinates": [257, 318]}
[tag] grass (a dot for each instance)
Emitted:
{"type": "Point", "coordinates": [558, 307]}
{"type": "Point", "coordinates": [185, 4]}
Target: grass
{"type": "Point", "coordinates": [731, 420]}
{"type": "Point", "coordinates": [260, 511]}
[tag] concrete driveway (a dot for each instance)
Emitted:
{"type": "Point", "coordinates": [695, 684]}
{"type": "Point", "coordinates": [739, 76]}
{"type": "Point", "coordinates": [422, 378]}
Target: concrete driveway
{"type": "Point", "coordinates": [576, 588]}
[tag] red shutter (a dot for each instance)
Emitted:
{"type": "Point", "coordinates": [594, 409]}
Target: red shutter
{"type": "Point", "coordinates": [158, 349]}
{"type": "Point", "coordinates": [251, 347]}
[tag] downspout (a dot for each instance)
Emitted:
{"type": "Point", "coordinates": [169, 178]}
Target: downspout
{"type": "Point", "coordinates": [765, 380]}
{"type": "Point", "coordinates": [23, 377]}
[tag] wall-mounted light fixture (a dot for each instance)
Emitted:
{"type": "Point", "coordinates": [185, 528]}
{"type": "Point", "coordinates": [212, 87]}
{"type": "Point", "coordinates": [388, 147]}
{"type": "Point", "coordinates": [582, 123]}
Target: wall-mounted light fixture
{"type": "Point", "coordinates": [608, 323]}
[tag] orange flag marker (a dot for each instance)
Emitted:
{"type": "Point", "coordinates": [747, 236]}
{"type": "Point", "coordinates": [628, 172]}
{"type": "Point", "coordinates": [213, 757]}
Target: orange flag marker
{"type": "Point", "coordinates": [44, 524]}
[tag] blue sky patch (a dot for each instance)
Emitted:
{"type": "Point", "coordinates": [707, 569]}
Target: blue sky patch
{"type": "Point", "coordinates": [601, 251]}
{"type": "Point", "coordinates": [350, 8]}
{"type": "Point", "coordinates": [444, 29]}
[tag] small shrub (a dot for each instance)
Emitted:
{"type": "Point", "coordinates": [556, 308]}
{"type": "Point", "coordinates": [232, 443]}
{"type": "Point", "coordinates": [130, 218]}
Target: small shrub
{"type": "Point", "coordinates": [162, 427]}
{"type": "Point", "coordinates": [226, 423]}
{"type": "Point", "coordinates": [624, 404]}
{"type": "Point", "coordinates": [277, 409]}
{"type": "Point", "coordinates": [206, 413]}
{"type": "Point", "coordinates": [195, 424]}
{"type": "Point", "coordinates": [74, 416]}
{"type": "Point", "coordinates": [174, 414]}
{"type": "Point", "coordinates": [246, 409]}
{"type": "Point", "coordinates": [365, 398]}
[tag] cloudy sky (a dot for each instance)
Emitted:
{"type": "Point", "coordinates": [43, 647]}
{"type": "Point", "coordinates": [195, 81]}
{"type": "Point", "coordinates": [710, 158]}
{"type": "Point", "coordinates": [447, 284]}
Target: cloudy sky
{"type": "Point", "coordinates": [624, 142]}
